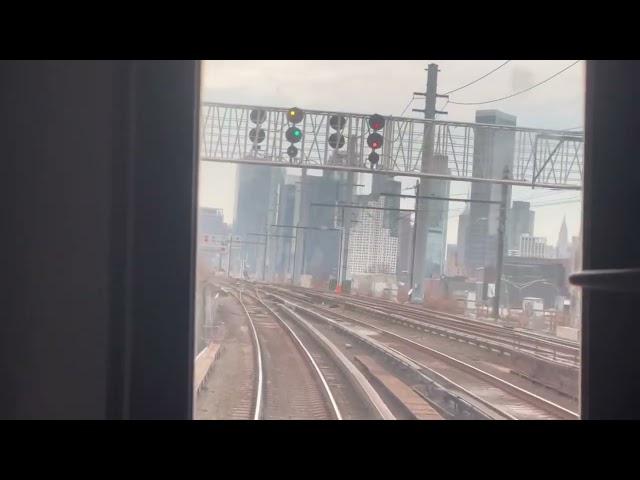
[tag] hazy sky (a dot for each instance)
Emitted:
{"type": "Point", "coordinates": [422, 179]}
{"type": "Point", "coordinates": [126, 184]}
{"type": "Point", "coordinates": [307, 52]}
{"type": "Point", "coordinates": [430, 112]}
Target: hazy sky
{"type": "Point", "coordinates": [385, 87]}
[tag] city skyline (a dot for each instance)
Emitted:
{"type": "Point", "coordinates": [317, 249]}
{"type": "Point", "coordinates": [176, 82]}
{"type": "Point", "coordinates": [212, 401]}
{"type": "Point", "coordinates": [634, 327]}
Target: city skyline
{"type": "Point", "coordinates": [347, 86]}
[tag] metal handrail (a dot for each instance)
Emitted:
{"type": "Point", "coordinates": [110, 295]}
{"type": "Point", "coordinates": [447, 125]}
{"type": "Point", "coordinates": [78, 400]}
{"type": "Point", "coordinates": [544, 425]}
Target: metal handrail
{"type": "Point", "coordinates": [613, 280]}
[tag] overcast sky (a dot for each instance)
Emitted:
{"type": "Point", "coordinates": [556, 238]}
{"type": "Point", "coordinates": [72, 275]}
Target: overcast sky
{"type": "Point", "coordinates": [385, 87]}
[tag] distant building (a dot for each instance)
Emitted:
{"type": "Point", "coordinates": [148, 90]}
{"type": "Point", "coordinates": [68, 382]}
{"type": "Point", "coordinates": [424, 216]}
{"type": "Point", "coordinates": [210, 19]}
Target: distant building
{"type": "Point", "coordinates": [321, 249]}
{"type": "Point", "coordinates": [533, 247]}
{"type": "Point", "coordinates": [454, 267]}
{"type": "Point", "coordinates": [533, 277]}
{"type": "Point", "coordinates": [211, 221]}
{"type": "Point", "coordinates": [405, 245]}
{"type": "Point", "coordinates": [212, 231]}
{"type": "Point", "coordinates": [383, 184]}
{"type": "Point", "coordinates": [562, 246]}
{"type": "Point", "coordinates": [372, 249]}
{"type": "Point", "coordinates": [549, 251]}
{"type": "Point", "coordinates": [493, 151]}
{"type": "Point", "coordinates": [575, 250]}
{"type": "Point", "coordinates": [461, 245]}
{"type": "Point", "coordinates": [575, 265]}
{"type": "Point", "coordinates": [256, 201]}
{"type": "Point", "coordinates": [282, 246]}
{"type": "Point", "coordinates": [437, 218]}
{"type": "Point", "coordinates": [520, 220]}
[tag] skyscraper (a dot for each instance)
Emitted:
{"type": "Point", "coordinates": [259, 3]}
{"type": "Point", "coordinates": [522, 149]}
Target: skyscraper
{"type": "Point", "coordinates": [493, 151]}
{"type": "Point", "coordinates": [453, 266]}
{"type": "Point", "coordinates": [281, 245]}
{"type": "Point", "coordinates": [372, 249]}
{"type": "Point", "coordinates": [383, 184]}
{"type": "Point", "coordinates": [405, 245]}
{"type": "Point", "coordinates": [321, 248]}
{"type": "Point", "coordinates": [520, 220]}
{"type": "Point", "coordinates": [562, 246]}
{"type": "Point", "coordinates": [256, 200]}
{"type": "Point", "coordinates": [463, 225]}
{"type": "Point", "coordinates": [533, 247]}
{"type": "Point", "coordinates": [211, 221]}
{"type": "Point", "coordinates": [437, 216]}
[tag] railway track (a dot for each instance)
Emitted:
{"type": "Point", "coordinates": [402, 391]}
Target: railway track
{"type": "Point", "coordinates": [288, 392]}
{"type": "Point", "coordinates": [491, 336]}
{"type": "Point", "coordinates": [346, 389]}
{"type": "Point", "coordinates": [238, 366]}
{"type": "Point", "coordinates": [571, 346]}
{"type": "Point", "coordinates": [493, 396]}
{"type": "Point", "coordinates": [293, 387]}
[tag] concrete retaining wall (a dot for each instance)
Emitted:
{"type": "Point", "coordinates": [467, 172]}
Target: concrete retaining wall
{"type": "Point", "coordinates": [562, 378]}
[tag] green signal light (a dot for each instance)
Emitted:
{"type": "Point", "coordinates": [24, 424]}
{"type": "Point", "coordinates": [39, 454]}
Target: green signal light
{"type": "Point", "coordinates": [293, 134]}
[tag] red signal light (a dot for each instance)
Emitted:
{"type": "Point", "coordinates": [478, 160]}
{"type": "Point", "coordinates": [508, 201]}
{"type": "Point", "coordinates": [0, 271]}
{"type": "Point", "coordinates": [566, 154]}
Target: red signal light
{"type": "Point", "coordinates": [374, 140]}
{"type": "Point", "coordinates": [376, 122]}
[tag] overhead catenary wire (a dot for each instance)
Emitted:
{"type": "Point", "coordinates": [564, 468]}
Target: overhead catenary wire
{"type": "Point", "coordinates": [443, 107]}
{"type": "Point", "coordinates": [521, 91]}
{"type": "Point", "coordinates": [477, 79]}
{"type": "Point", "coordinates": [413, 97]}
{"type": "Point", "coordinates": [557, 202]}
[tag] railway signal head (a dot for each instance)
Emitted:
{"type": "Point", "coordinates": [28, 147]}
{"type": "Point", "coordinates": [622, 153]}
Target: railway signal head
{"type": "Point", "coordinates": [293, 134]}
{"type": "Point", "coordinates": [336, 140]}
{"type": "Point", "coordinates": [258, 116]}
{"type": "Point", "coordinates": [337, 122]}
{"type": "Point", "coordinates": [295, 115]}
{"type": "Point", "coordinates": [292, 151]}
{"type": "Point", "coordinates": [374, 140]}
{"type": "Point", "coordinates": [256, 135]}
{"type": "Point", "coordinates": [374, 158]}
{"type": "Point", "coordinates": [376, 122]}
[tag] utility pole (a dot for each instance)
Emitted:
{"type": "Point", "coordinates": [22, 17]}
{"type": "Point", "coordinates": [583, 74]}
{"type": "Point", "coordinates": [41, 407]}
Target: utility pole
{"type": "Point", "coordinates": [502, 221]}
{"type": "Point", "coordinates": [288, 262]}
{"type": "Point", "coordinates": [420, 223]}
{"type": "Point", "coordinates": [340, 250]}
{"type": "Point", "coordinates": [303, 220]}
{"type": "Point", "coordinates": [413, 243]}
{"type": "Point", "coordinates": [339, 276]}
{"type": "Point", "coordinates": [229, 256]}
{"type": "Point", "coordinates": [271, 246]}
{"type": "Point", "coordinates": [295, 255]}
{"type": "Point", "coordinates": [264, 258]}
{"type": "Point", "coordinates": [346, 222]}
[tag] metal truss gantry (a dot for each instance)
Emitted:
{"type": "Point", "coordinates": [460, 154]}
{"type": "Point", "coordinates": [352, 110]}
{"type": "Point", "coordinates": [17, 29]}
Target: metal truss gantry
{"type": "Point", "coordinates": [541, 158]}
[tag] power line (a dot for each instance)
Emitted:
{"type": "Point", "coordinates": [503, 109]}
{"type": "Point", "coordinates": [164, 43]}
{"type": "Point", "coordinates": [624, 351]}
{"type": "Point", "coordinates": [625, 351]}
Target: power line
{"type": "Point", "coordinates": [521, 91]}
{"type": "Point", "coordinates": [477, 79]}
{"type": "Point", "coordinates": [557, 202]}
{"type": "Point", "coordinates": [443, 106]}
{"type": "Point", "coordinates": [413, 97]}
{"type": "Point", "coordinates": [535, 196]}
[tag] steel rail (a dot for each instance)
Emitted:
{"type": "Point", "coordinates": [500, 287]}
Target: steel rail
{"type": "Point", "coordinates": [301, 346]}
{"type": "Point", "coordinates": [489, 378]}
{"type": "Point", "coordinates": [257, 415]}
